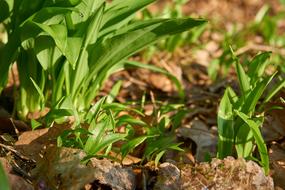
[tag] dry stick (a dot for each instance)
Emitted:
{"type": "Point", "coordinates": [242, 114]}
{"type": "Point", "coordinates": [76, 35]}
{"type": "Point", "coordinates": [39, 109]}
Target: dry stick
{"type": "Point", "coordinates": [15, 166]}
{"type": "Point", "coordinates": [259, 47]}
{"type": "Point", "coordinates": [11, 149]}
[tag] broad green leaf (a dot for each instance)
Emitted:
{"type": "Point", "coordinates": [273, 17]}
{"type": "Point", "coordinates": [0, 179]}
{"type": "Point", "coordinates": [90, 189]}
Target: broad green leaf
{"type": "Point", "coordinates": [111, 52]}
{"type": "Point", "coordinates": [90, 38]}
{"type": "Point", "coordinates": [253, 97]}
{"type": "Point", "coordinates": [120, 12]}
{"type": "Point", "coordinates": [67, 3]}
{"type": "Point", "coordinates": [120, 107]}
{"type": "Point", "coordinates": [120, 47]}
{"type": "Point", "coordinates": [244, 140]}
{"type": "Point", "coordinates": [257, 66]}
{"type": "Point", "coordinates": [47, 14]}
{"type": "Point", "coordinates": [56, 114]}
{"type": "Point", "coordinates": [107, 141]}
{"type": "Point", "coordinates": [262, 149]}
{"type": "Point", "coordinates": [72, 52]}
{"type": "Point", "coordinates": [225, 126]}
{"type": "Point", "coordinates": [97, 131]}
{"type": "Point", "coordinates": [132, 144]}
{"type": "Point", "coordinates": [58, 33]}
{"type": "Point", "coordinates": [46, 51]}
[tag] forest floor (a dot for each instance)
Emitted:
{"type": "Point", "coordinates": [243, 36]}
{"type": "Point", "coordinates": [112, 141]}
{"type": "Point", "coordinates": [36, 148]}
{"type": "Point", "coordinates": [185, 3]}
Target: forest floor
{"type": "Point", "coordinates": [33, 161]}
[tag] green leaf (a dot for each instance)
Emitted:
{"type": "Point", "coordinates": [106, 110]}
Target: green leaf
{"type": "Point", "coordinates": [90, 37]}
{"type": "Point", "coordinates": [4, 184]}
{"type": "Point", "coordinates": [274, 90]}
{"type": "Point", "coordinates": [255, 94]}
{"type": "Point", "coordinates": [39, 90]}
{"type": "Point", "coordinates": [35, 124]}
{"type": "Point", "coordinates": [159, 70]}
{"type": "Point", "coordinates": [4, 7]}
{"type": "Point", "coordinates": [100, 139]}
{"type": "Point", "coordinates": [46, 51]}
{"type": "Point", "coordinates": [261, 14]}
{"type": "Point", "coordinates": [244, 141]}
{"type": "Point", "coordinates": [95, 109]}
{"type": "Point", "coordinates": [127, 119]}
{"type": "Point", "coordinates": [133, 39]}
{"type": "Point", "coordinates": [257, 66]}
{"type": "Point", "coordinates": [262, 149]}
{"type": "Point", "coordinates": [118, 11]}
{"type": "Point", "coordinates": [225, 126]}
{"type": "Point", "coordinates": [132, 144]}
{"type": "Point", "coordinates": [158, 157]}
{"type": "Point", "coordinates": [114, 92]}
{"type": "Point", "coordinates": [58, 32]}
{"type": "Point", "coordinates": [242, 77]}
{"type": "Point", "coordinates": [47, 15]}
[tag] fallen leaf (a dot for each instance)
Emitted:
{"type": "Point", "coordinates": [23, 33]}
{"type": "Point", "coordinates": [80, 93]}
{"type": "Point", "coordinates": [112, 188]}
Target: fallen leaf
{"type": "Point", "coordinates": [199, 132]}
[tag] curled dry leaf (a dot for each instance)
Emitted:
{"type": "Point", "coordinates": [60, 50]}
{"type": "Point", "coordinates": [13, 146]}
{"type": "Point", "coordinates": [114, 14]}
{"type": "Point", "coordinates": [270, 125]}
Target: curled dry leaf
{"type": "Point", "coordinates": [206, 141]}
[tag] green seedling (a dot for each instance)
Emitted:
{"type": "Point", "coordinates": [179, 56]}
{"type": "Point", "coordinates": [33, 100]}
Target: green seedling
{"type": "Point", "coordinates": [159, 135]}
{"type": "Point", "coordinates": [241, 116]}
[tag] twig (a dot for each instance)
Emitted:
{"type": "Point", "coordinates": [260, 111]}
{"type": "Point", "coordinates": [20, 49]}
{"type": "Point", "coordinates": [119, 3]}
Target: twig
{"type": "Point", "coordinates": [259, 47]}
{"type": "Point", "coordinates": [11, 149]}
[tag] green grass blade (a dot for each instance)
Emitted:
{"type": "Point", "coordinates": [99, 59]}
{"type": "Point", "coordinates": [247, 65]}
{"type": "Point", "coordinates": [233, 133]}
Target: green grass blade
{"type": "Point", "coordinates": [159, 70]}
{"type": "Point", "coordinates": [242, 77]}
{"type": "Point", "coordinates": [275, 90]}
{"type": "Point", "coordinates": [39, 90]}
{"type": "Point", "coordinates": [262, 149]}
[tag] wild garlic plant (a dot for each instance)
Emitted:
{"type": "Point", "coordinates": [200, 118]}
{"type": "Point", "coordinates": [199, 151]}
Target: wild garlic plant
{"type": "Point", "coordinates": [65, 50]}
{"type": "Point", "coordinates": [241, 116]}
